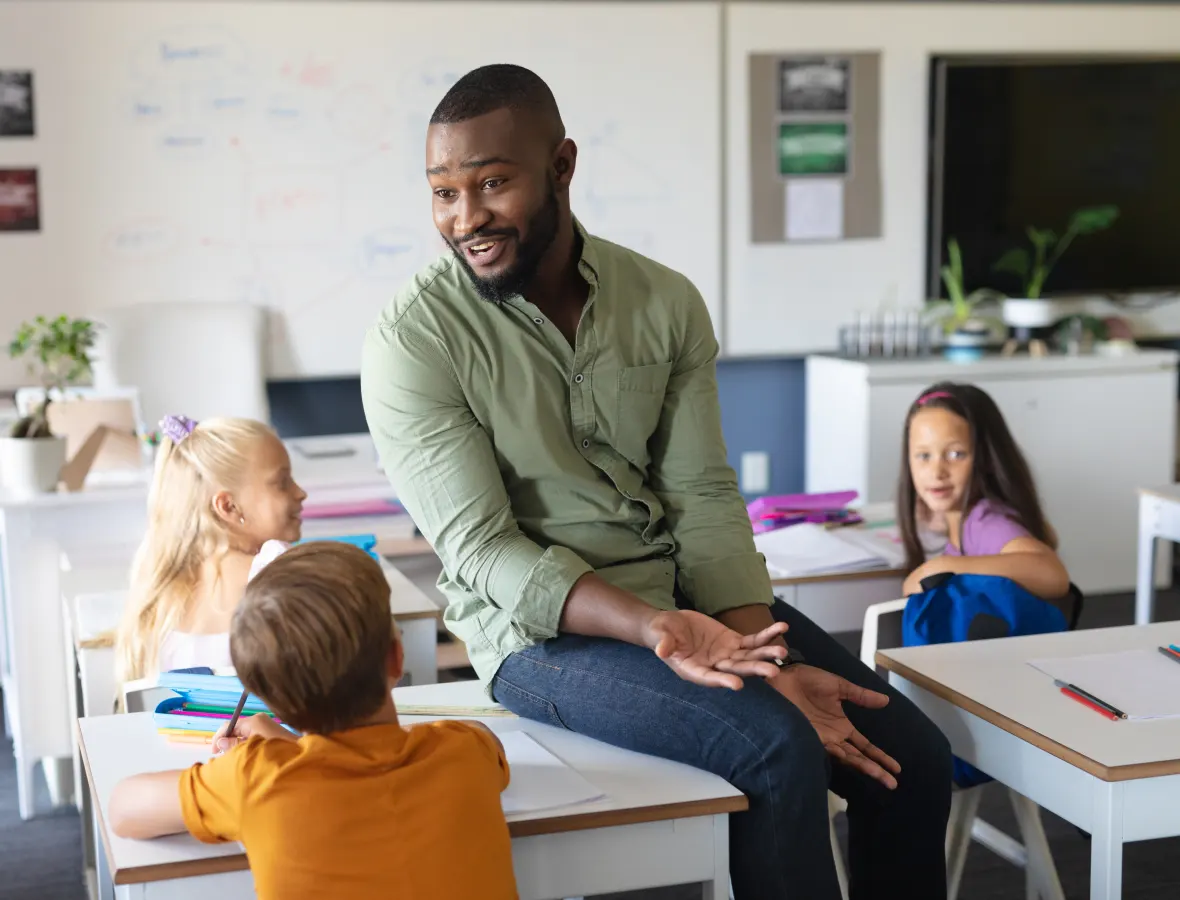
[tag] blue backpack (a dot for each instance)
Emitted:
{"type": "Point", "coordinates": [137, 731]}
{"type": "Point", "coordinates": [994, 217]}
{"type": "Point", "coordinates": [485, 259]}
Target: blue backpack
{"type": "Point", "coordinates": [955, 608]}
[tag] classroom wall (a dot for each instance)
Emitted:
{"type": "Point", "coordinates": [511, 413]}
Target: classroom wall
{"type": "Point", "coordinates": [789, 299]}
{"type": "Point", "coordinates": [779, 301]}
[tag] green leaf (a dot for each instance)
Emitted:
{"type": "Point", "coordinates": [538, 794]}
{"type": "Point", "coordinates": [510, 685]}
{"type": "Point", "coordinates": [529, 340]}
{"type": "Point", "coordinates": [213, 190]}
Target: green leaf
{"type": "Point", "coordinates": [1016, 261]}
{"type": "Point", "coordinates": [1041, 238]}
{"type": "Point", "coordinates": [1093, 218]}
{"type": "Point", "coordinates": [955, 255]}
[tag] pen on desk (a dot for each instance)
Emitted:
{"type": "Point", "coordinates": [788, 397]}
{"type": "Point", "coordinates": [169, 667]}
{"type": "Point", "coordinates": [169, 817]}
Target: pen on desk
{"type": "Point", "coordinates": [1094, 706]}
{"type": "Point", "coordinates": [1113, 710]}
{"type": "Point", "coordinates": [1174, 648]}
{"type": "Point", "coordinates": [1169, 653]}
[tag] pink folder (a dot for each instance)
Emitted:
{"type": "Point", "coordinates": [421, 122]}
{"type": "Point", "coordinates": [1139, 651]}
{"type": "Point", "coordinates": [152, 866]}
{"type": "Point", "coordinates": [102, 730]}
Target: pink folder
{"type": "Point", "coordinates": [803, 502]}
{"type": "Point", "coordinates": [380, 506]}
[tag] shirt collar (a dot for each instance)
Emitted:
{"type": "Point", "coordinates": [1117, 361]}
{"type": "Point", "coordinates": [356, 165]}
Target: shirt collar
{"type": "Point", "coordinates": [588, 264]}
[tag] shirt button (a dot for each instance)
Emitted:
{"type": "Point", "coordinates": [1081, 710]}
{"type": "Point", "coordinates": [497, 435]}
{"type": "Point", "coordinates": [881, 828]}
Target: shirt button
{"type": "Point", "coordinates": [585, 444]}
{"type": "Point", "coordinates": [539, 320]}
{"type": "Point", "coordinates": [578, 378]}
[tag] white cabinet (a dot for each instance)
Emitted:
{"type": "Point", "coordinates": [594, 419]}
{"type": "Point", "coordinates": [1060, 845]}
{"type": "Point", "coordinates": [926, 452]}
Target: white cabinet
{"type": "Point", "coordinates": [1094, 430]}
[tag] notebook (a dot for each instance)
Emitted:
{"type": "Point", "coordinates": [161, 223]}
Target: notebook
{"type": "Point", "coordinates": [539, 779]}
{"type": "Point", "coordinates": [811, 549]}
{"type": "Point", "coordinates": [1142, 683]}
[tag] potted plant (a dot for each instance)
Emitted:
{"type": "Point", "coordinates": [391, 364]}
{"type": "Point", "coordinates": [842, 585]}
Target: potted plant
{"type": "Point", "coordinates": [31, 456]}
{"type": "Point", "coordinates": [966, 333]}
{"type": "Point", "coordinates": [1029, 310]}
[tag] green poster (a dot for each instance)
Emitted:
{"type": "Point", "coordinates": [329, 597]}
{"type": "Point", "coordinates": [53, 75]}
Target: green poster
{"type": "Point", "coordinates": [812, 148]}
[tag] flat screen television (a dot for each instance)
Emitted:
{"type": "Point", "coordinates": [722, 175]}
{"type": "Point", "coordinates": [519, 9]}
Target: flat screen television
{"type": "Point", "coordinates": [1020, 141]}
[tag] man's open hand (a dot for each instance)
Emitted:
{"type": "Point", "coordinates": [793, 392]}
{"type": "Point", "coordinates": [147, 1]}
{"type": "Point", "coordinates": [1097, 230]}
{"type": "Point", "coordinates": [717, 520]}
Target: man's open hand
{"type": "Point", "coordinates": [700, 649]}
{"type": "Point", "coordinates": [819, 695]}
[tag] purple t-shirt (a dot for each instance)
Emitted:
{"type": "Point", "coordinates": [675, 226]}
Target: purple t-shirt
{"type": "Point", "coordinates": [986, 531]}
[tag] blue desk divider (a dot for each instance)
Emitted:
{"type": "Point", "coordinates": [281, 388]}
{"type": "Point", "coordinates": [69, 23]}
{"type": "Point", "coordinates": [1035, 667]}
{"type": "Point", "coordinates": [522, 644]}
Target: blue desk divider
{"type": "Point", "coordinates": [367, 542]}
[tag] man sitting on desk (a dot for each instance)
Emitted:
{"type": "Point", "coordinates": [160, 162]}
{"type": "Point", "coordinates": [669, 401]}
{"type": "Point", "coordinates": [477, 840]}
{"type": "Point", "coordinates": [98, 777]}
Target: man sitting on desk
{"type": "Point", "coordinates": [545, 403]}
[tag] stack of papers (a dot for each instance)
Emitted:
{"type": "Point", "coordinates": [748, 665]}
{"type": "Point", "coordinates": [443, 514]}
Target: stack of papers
{"type": "Point", "coordinates": [539, 779]}
{"type": "Point", "coordinates": [809, 549]}
{"type": "Point", "coordinates": [1142, 683]}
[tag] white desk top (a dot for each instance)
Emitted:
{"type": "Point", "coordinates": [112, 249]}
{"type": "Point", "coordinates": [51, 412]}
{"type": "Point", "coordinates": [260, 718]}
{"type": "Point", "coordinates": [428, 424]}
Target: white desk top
{"type": "Point", "coordinates": [326, 480]}
{"type": "Point", "coordinates": [992, 680]}
{"type": "Point", "coordinates": [1170, 492]}
{"type": "Point", "coordinates": [904, 369]}
{"type": "Point", "coordinates": [638, 788]}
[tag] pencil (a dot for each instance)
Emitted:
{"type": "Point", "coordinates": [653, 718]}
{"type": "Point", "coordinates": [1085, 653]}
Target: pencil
{"type": "Point", "coordinates": [1112, 709]}
{"type": "Point", "coordinates": [1094, 706]}
{"type": "Point", "coordinates": [233, 720]}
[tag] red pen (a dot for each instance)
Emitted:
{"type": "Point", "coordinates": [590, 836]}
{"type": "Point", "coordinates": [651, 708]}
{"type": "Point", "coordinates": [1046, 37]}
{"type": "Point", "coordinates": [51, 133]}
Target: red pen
{"type": "Point", "coordinates": [1094, 706]}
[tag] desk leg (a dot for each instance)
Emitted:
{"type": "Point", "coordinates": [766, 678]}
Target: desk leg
{"type": "Point", "coordinates": [718, 888]}
{"type": "Point", "coordinates": [1145, 575]}
{"type": "Point", "coordinates": [1106, 844]}
{"type": "Point", "coordinates": [420, 645]}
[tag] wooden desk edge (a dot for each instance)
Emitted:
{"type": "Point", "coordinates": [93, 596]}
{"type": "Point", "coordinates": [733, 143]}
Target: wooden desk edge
{"type": "Point", "coordinates": [237, 862]}
{"type": "Point", "coordinates": [408, 546]}
{"type": "Point", "coordinates": [1098, 770]}
{"type": "Point", "coordinates": [859, 575]}
{"type": "Point", "coordinates": [435, 613]}
{"type": "Point", "coordinates": [611, 818]}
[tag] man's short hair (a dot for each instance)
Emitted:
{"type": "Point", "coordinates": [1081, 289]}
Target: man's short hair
{"type": "Point", "coordinates": [312, 635]}
{"type": "Point", "coordinates": [499, 86]}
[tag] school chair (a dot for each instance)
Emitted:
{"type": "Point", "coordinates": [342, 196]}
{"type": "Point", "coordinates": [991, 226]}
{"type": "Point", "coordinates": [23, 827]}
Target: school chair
{"type": "Point", "coordinates": [882, 629]}
{"type": "Point", "coordinates": [174, 351]}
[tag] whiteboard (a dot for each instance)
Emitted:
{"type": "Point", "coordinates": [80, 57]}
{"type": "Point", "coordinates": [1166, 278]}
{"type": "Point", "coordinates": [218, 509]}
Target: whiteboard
{"type": "Point", "coordinates": [273, 153]}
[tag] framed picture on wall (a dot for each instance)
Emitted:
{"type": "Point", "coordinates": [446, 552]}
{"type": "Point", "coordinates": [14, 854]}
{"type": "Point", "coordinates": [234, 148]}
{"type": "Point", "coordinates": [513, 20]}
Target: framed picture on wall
{"type": "Point", "coordinates": [20, 201]}
{"type": "Point", "coordinates": [814, 85]}
{"type": "Point", "coordinates": [16, 104]}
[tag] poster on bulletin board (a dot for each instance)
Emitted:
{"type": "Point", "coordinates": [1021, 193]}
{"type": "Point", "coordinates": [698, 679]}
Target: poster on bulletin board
{"type": "Point", "coordinates": [814, 147]}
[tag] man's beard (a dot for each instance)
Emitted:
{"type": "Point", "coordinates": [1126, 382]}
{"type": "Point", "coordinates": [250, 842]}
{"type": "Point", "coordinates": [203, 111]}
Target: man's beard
{"type": "Point", "coordinates": [542, 230]}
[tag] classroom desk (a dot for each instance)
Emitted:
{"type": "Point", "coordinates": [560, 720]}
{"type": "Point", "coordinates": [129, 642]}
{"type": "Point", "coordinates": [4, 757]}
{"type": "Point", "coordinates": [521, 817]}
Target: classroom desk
{"type": "Point", "coordinates": [33, 533]}
{"type": "Point", "coordinates": [836, 601]}
{"type": "Point", "coordinates": [1159, 518]}
{"type": "Point", "coordinates": [1119, 781]}
{"type": "Point", "coordinates": [660, 823]}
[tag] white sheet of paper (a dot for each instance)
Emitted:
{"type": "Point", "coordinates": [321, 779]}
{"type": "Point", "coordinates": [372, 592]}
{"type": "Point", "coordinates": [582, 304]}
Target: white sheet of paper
{"type": "Point", "coordinates": [539, 779]}
{"type": "Point", "coordinates": [1141, 683]}
{"type": "Point", "coordinates": [815, 209]}
{"type": "Point", "coordinates": [808, 548]}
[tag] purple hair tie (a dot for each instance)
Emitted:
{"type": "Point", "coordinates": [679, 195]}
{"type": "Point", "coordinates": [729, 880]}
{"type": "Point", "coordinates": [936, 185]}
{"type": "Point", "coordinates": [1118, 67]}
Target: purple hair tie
{"type": "Point", "coordinates": [177, 428]}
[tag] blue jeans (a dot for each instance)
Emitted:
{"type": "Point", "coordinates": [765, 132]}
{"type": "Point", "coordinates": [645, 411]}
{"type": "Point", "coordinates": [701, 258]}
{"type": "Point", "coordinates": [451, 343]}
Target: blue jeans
{"type": "Point", "coordinates": [761, 744]}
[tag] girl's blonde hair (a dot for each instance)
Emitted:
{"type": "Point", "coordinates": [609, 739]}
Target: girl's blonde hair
{"type": "Point", "coordinates": [183, 532]}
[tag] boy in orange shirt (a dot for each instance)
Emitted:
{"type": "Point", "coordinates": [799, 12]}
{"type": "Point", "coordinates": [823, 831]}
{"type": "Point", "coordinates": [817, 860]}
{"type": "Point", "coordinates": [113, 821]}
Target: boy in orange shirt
{"type": "Point", "coordinates": [357, 807]}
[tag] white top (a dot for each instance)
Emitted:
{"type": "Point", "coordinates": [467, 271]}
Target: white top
{"type": "Point", "coordinates": [636, 788]}
{"type": "Point", "coordinates": [906, 369]}
{"type": "Point", "coordinates": [995, 674]}
{"type": "Point", "coordinates": [185, 650]}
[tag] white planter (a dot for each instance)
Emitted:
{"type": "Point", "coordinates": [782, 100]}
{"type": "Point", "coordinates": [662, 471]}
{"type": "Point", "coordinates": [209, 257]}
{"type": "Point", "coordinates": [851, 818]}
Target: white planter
{"type": "Point", "coordinates": [1021, 312]}
{"type": "Point", "coordinates": [31, 465]}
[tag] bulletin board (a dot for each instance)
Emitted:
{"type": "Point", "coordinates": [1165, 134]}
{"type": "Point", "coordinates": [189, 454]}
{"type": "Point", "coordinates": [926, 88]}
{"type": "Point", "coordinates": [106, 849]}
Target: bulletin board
{"type": "Point", "coordinates": [815, 168]}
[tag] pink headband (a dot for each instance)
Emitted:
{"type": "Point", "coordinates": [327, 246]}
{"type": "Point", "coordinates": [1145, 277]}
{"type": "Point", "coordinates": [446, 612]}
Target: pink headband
{"type": "Point", "coordinates": [934, 395]}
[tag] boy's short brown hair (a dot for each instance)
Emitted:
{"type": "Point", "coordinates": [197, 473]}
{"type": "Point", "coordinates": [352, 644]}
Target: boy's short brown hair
{"type": "Point", "coordinates": [312, 635]}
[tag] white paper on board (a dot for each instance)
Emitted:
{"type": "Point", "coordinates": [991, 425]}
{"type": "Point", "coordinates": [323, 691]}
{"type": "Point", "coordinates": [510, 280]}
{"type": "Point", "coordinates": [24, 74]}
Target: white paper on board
{"type": "Point", "coordinates": [815, 209]}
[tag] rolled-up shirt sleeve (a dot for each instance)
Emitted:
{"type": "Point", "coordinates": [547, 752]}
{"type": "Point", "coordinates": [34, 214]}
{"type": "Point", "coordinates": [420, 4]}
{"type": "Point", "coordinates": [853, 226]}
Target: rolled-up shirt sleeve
{"type": "Point", "coordinates": [441, 462]}
{"type": "Point", "coordinates": [718, 566]}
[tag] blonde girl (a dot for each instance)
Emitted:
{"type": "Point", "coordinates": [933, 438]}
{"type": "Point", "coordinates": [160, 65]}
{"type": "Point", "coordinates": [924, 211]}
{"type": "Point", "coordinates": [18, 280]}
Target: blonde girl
{"type": "Point", "coordinates": [222, 504]}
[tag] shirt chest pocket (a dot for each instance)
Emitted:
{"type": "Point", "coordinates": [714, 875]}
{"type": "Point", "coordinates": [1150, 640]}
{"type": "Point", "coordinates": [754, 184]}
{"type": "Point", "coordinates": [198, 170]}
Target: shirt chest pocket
{"type": "Point", "coordinates": [639, 402]}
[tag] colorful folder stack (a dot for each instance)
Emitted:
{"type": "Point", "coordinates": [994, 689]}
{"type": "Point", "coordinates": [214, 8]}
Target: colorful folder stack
{"type": "Point", "coordinates": [203, 704]}
{"type": "Point", "coordinates": [769, 513]}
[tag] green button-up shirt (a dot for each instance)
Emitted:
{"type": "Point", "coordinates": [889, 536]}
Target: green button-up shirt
{"type": "Point", "coordinates": [527, 462]}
